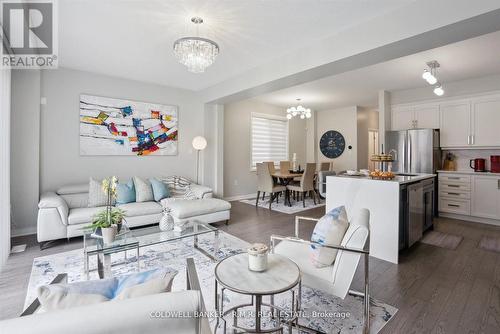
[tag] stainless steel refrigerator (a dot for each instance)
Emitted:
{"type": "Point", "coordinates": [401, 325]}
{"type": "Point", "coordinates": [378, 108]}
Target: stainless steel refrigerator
{"type": "Point", "coordinates": [414, 151]}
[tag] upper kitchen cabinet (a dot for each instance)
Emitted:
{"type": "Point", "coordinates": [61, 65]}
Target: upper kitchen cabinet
{"type": "Point", "coordinates": [412, 117]}
{"type": "Point", "coordinates": [427, 116]}
{"type": "Point", "coordinates": [402, 118]}
{"type": "Point", "coordinates": [464, 123]}
{"type": "Point", "coordinates": [455, 124]}
{"type": "Point", "coordinates": [485, 121]}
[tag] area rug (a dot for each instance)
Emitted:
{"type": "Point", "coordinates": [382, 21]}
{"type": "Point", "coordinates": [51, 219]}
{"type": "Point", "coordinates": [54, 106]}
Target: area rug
{"type": "Point", "coordinates": [443, 240]}
{"type": "Point", "coordinates": [281, 207]}
{"type": "Point", "coordinates": [490, 244]}
{"type": "Point", "coordinates": [344, 316]}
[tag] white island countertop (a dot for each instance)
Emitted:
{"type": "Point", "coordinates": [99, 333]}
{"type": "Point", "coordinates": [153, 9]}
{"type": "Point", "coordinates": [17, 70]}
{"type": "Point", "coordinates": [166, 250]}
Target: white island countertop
{"type": "Point", "coordinates": [401, 179]}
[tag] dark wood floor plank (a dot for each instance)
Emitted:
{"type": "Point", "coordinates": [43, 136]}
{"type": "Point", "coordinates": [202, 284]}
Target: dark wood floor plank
{"type": "Point", "coordinates": [436, 290]}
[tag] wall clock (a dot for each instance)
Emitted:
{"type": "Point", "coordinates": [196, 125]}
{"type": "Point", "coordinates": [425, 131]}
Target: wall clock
{"type": "Point", "coordinates": [332, 144]}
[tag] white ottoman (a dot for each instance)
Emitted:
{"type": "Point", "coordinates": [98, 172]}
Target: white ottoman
{"type": "Point", "coordinates": [207, 210]}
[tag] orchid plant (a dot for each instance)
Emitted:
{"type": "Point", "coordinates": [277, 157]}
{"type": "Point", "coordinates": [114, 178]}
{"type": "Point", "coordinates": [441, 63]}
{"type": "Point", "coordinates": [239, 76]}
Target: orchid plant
{"type": "Point", "coordinates": [111, 215]}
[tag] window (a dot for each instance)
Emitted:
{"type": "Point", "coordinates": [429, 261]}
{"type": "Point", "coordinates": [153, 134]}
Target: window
{"type": "Point", "coordinates": [269, 138]}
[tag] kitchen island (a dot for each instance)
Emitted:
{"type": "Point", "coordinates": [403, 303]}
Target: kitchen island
{"type": "Point", "coordinates": [389, 204]}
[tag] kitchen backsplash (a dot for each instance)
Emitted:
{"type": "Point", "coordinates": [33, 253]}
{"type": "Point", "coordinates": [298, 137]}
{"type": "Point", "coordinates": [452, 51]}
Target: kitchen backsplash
{"type": "Point", "coordinates": [463, 157]}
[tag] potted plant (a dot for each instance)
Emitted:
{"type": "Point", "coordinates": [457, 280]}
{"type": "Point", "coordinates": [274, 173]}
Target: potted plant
{"type": "Point", "coordinates": [109, 220]}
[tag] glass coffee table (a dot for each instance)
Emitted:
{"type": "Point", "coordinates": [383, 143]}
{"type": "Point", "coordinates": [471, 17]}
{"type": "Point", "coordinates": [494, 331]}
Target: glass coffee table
{"type": "Point", "coordinates": [129, 240]}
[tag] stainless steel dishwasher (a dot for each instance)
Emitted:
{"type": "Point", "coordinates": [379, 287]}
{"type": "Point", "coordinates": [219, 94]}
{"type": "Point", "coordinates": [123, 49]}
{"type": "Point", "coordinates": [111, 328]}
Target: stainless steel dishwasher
{"type": "Point", "coordinates": [416, 212]}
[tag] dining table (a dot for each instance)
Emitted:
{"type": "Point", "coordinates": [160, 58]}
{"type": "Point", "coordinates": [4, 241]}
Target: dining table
{"type": "Point", "coordinates": [285, 179]}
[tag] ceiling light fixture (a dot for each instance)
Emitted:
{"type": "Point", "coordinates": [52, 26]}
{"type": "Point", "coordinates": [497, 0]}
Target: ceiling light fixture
{"type": "Point", "coordinates": [196, 53]}
{"type": "Point", "coordinates": [429, 75]}
{"type": "Point", "coordinates": [431, 79]}
{"type": "Point", "coordinates": [298, 110]}
{"type": "Point", "coordinates": [438, 90]}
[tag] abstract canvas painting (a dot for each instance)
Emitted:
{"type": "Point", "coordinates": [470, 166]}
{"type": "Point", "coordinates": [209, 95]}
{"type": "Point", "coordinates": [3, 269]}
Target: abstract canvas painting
{"type": "Point", "coordinates": [120, 127]}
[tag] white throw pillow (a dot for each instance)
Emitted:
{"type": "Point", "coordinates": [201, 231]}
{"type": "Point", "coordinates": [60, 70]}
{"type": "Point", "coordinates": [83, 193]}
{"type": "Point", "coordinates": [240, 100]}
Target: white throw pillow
{"type": "Point", "coordinates": [97, 197]}
{"type": "Point", "coordinates": [143, 190]}
{"type": "Point", "coordinates": [329, 230]}
{"type": "Point", "coordinates": [63, 296]}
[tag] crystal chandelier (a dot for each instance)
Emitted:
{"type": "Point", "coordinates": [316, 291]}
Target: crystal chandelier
{"type": "Point", "coordinates": [299, 110]}
{"type": "Point", "coordinates": [196, 53]}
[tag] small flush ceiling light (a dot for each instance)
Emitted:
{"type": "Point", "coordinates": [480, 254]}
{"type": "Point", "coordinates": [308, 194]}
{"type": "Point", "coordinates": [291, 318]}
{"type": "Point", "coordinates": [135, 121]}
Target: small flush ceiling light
{"type": "Point", "coordinates": [438, 90]}
{"type": "Point", "coordinates": [298, 110]}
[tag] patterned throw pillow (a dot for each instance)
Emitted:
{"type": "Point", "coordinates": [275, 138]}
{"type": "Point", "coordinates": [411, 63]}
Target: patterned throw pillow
{"type": "Point", "coordinates": [125, 192]}
{"type": "Point", "coordinates": [97, 197]}
{"type": "Point", "coordinates": [329, 230]}
{"type": "Point", "coordinates": [63, 296]}
{"type": "Point", "coordinates": [179, 187]}
{"type": "Point", "coordinates": [143, 190]}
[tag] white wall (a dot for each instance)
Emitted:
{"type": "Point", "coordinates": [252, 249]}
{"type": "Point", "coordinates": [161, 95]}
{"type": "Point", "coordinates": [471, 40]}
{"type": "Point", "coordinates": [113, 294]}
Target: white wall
{"type": "Point", "coordinates": [452, 89]}
{"type": "Point", "coordinates": [5, 113]}
{"type": "Point", "coordinates": [238, 179]}
{"type": "Point", "coordinates": [25, 149]}
{"type": "Point", "coordinates": [60, 160]}
{"type": "Point", "coordinates": [367, 120]}
{"type": "Point", "coordinates": [343, 120]}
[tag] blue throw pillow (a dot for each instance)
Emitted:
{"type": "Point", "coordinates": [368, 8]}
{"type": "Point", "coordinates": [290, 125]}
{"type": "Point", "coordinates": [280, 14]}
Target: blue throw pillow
{"type": "Point", "coordinates": [160, 189]}
{"type": "Point", "coordinates": [125, 192]}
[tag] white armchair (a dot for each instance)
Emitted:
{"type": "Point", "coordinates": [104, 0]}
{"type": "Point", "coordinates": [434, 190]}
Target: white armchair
{"type": "Point", "coordinates": [337, 278]}
{"type": "Point", "coordinates": [146, 315]}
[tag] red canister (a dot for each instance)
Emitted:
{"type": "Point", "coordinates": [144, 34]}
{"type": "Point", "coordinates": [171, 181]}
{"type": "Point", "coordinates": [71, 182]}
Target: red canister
{"type": "Point", "coordinates": [495, 163]}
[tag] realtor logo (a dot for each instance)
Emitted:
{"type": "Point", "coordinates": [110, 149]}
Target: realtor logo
{"type": "Point", "coordinates": [29, 34]}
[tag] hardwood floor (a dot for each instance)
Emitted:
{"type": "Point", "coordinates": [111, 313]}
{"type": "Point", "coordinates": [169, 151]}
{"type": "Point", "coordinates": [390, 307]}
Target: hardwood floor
{"type": "Point", "coordinates": [437, 290]}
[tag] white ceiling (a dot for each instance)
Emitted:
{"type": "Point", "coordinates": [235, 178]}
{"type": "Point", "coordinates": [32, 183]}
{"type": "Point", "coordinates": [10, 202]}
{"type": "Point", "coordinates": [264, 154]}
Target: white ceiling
{"type": "Point", "coordinates": [463, 60]}
{"type": "Point", "coordinates": [133, 39]}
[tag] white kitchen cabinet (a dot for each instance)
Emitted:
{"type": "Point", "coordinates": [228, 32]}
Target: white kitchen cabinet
{"type": "Point", "coordinates": [424, 116]}
{"type": "Point", "coordinates": [427, 116]}
{"type": "Point", "coordinates": [485, 121]}
{"type": "Point", "coordinates": [455, 124]}
{"type": "Point", "coordinates": [485, 196]}
{"type": "Point", "coordinates": [402, 118]}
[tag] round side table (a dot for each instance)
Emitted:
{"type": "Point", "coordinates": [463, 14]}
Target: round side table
{"type": "Point", "coordinates": [281, 275]}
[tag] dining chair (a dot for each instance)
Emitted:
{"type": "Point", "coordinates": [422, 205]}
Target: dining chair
{"type": "Point", "coordinates": [266, 184]}
{"type": "Point", "coordinates": [337, 278]}
{"type": "Point", "coordinates": [324, 166]}
{"type": "Point", "coordinates": [284, 167]}
{"type": "Point", "coordinates": [306, 183]}
{"type": "Point", "coordinates": [272, 169]}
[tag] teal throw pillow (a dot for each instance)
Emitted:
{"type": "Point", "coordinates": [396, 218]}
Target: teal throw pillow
{"type": "Point", "coordinates": [160, 189]}
{"type": "Point", "coordinates": [125, 192]}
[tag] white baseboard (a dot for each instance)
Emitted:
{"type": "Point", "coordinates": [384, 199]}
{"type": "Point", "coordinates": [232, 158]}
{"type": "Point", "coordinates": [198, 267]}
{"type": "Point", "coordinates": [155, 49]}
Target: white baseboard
{"type": "Point", "coordinates": [471, 219]}
{"type": "Point", "coordinates": [23, 231]}
{"type": "Point", "coordinates": [240, 197]}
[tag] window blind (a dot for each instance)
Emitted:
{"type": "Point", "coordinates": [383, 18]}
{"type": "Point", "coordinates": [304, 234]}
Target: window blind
{"type": "Point", "coordinates": [269, 139]}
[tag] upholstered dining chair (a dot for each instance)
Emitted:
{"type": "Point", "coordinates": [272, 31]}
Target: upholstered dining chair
{"type": "Point", "coordinates": [272, 169]}
{"type": "Point", "coordinates": [306, 183]}
{"type": "Point", "coordinates": [324, 166]}
{"type": "Point", "coordinates": [284, 167]}
{"type": "Point", "coordinates": [266, 184]}
{"type": "Point", "coordinates": [335, 279]}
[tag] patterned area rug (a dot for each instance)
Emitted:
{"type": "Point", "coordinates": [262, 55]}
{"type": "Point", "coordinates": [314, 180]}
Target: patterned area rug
{"type": "Point", "coordinates": [281, 207]}
{"type": "Point", "coordinates": [490, 244]}
{"type": "Point", "coordinates": [443, 240]}
{"type": "Point", "coordinates": [344, 316]}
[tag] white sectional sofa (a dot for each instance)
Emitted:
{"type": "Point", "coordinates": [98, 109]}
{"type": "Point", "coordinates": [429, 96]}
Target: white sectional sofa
{"type": "Point", "coordinates": [63, 213]}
